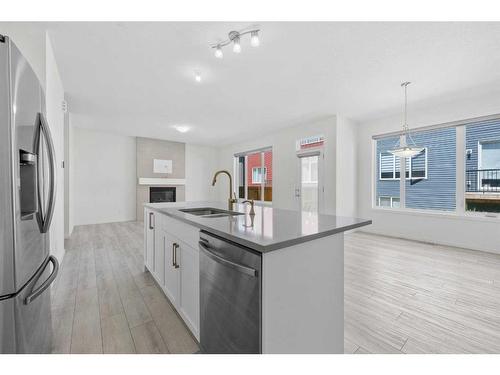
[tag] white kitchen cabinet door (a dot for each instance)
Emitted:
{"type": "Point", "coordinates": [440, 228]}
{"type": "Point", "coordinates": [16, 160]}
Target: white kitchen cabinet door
{"type": "Point", "coordinates": [172, 278]}
{"type": "Point", "coordinates": [190, 287]}
{"type": "Point", "coordinates": [149, 245]}
{"type": "Point", "coordinates": [159, 255]}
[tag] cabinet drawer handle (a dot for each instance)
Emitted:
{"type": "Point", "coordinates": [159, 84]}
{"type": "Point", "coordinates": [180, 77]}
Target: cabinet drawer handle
{"type": "Point", "coordinates": [173, 255]}
{"type": "Point", "coordinates": [176, 246]}
{"type": "Point", "coordinates": [151, 217]}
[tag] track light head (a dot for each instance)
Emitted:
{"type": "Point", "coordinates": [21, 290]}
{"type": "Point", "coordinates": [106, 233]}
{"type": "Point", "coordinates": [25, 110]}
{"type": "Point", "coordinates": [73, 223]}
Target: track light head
{"type": "Point", "coordinates": [254, 39]}
{"type": "Point", "coordinates": [218, 52]}
{"type": "Point", "coordinates": [237, 45]}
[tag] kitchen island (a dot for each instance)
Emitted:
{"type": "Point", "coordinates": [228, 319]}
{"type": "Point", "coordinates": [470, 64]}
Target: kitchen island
{"type": "Point", "coordinates": [296, 286]}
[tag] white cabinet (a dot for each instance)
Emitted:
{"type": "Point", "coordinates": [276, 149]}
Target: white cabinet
{"type": "Point", "coordinates": [159, 254]}
{"type": "Point", "coordinates": [173, 260]}
{"type": "Point", "coordinates": [149, 239]}
{"type": "Point", "coordinates": [189, 307]}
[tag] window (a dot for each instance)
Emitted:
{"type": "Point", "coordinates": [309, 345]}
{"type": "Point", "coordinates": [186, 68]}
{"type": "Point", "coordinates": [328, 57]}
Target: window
{"type": "Point", "coordinates": [259, 175]}
{"type": "Point", "coordinates": [430, 175]}
{"type": "Point", "coordinates": [388, 202]}
{"type": "Point", "coordinates": [309, 167]}
{"type": "Point", "coordinates": [253, 175]}
{"type": "Point", "coordinates": [482, 167]}
{"type": "Point", "coordinates": [434, 180]}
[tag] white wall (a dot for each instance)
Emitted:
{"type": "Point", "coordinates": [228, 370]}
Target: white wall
{"type": "Point", "coordinates": [105, 177]}
{"type": "Point", "coordinates": [201, 164]}
{"type": "Point", "coordinates": [68, 176]}
{"type": "Point", "coordinates": [285, 162]}
{"type": "Point", "coordinates": [346, 161]}
{"type": "Point", "coordinates": [54, 95]}
{"type": "Point", "coordinates": [473, 233]}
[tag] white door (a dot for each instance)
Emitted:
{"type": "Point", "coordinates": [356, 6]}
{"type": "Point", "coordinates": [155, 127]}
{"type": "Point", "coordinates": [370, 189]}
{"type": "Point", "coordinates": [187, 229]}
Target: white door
{"type": "Point", "coordinates": [309, 186]}
{"type": "Point", "coordinates": [309, 189]}
{"type": "Point", "coordinates": [172, 269]}
{"type": "Point", "coordinates": [190, 286]}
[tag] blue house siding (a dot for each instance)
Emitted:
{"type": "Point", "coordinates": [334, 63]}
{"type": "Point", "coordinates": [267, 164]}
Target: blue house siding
{"type": "Point", "coordinates": [438, 190]}
{"type": "Point", "coordinates": [476, 132]}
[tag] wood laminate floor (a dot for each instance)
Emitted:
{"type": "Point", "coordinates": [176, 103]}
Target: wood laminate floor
{"type": "Point", "coordinates": [103, 301]}
{"type": "Point", "coordinates": [408, 297]}
{"type": "Point", "coordinates": [400, 297]}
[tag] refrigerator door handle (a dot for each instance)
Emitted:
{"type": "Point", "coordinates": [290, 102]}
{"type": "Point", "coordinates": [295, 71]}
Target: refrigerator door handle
{"type": "Point", "coordinates": [44, 220]}
{"type": "Point", "coordinates": [38, 291]}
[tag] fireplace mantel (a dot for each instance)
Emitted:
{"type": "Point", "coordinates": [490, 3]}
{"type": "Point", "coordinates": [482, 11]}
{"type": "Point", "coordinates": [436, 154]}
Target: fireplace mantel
{"type": "Point", "coordinates": [161, 181]}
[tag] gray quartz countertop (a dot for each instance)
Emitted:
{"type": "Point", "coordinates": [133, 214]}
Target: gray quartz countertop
{"type": "Point", "coordinates": [272, 228]}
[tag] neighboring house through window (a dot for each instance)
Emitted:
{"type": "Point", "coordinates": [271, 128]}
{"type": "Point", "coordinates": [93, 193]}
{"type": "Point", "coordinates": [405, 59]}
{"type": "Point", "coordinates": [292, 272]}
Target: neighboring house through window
{"type": "Point", "coordinates": [259, 175]}
{"type": "Point", "coordinates": [389, 166]}
{"type": "Point", "coordinates": [253, 172]}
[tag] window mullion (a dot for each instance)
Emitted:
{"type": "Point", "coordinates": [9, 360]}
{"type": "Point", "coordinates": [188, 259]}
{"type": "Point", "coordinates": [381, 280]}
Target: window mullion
{"type": "Point", "coordinates": [262, 177]}
{"type": "Point", "coordinates": [402, 179]}
{"type": "Point", "coordinates": [460, 169]}
{"type": "Point", "coordinates": [394, 166]}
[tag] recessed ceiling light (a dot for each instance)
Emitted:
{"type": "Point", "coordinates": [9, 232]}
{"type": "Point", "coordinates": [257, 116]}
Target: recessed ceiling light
{"type": "Point", "coordinates": [181, 128]}
{"type": "Point", "coordinates": [197, 76]}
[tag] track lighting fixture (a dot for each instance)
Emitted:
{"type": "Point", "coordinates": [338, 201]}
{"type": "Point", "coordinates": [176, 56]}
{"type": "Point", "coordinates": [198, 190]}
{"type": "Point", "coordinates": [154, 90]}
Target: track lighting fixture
{"type": "Point", "coordinates": [234, 37]}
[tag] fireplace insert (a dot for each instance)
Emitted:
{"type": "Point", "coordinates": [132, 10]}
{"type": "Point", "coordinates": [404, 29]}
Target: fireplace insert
{"type": "Point", "coordinates": [159, 194]}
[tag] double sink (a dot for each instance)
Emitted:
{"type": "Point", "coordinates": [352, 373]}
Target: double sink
{"type": "Point", "coordinates": [210, 212]}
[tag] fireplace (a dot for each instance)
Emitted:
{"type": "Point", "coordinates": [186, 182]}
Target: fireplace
{"type": "Point", "coordinates": [159, 194]}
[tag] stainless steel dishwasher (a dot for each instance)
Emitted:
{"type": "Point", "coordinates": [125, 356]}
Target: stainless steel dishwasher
{"type": "Point", "coordinates": [230, 297]}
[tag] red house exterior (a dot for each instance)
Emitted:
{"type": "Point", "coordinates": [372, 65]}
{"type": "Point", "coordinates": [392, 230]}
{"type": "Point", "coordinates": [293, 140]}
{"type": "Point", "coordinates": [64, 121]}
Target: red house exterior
{"type": "Point", "coordinates": [254, 161]}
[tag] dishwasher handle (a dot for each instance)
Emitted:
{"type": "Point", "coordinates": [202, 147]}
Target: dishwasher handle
{"type": "Point", "coordinates": [239, 267]}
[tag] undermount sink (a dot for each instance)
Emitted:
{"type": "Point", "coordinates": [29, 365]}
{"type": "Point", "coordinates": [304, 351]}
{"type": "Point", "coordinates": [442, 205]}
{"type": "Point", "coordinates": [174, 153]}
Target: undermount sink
{"type": "Point", "coordinates": [209, 212]}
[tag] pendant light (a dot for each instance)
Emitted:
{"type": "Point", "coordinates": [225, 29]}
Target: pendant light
{"type": "Point", "coordinates": [407, 147]}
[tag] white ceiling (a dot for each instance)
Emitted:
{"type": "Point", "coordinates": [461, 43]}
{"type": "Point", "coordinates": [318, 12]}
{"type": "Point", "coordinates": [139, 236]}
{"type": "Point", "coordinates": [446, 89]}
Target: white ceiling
{"type": "Point", "coordinates": [138, 78]}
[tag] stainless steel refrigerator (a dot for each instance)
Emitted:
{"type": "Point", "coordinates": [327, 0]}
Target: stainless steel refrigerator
{"type": "Point", "coordinates": [27, 197]}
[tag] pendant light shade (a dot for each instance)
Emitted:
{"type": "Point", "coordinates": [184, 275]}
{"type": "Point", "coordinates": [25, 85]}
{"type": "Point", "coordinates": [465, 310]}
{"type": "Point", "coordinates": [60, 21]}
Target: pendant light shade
{"type": "Point", "coordinates": [406, 147]}
{"type": "Point", "coordinates": [406, 151]}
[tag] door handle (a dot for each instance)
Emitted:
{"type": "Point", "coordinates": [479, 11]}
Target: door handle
{"type": "Point", "coordinates": [42, 128]}
{"type": "Point", "coordinates": [151, 216]}
{"type": "Point", "coordinates": [38, 291]}
{"type": "Point", "coordinates": [239, 267]}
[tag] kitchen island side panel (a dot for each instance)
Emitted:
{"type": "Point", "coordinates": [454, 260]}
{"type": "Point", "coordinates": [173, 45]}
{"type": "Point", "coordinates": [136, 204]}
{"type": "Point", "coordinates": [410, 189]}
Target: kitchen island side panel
{"type": "Point", "coordinates": [303, 297]}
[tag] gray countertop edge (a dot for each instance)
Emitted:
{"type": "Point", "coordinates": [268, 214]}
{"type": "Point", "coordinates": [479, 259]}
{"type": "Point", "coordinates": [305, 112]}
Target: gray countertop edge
{"type": "Point", "coordinates": [255, 246]}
